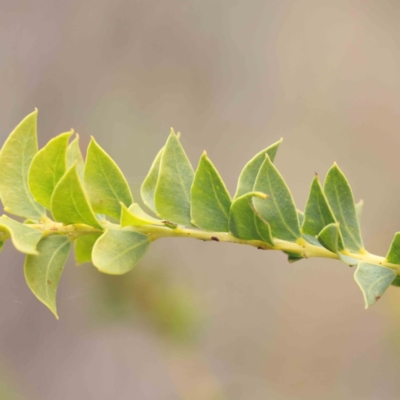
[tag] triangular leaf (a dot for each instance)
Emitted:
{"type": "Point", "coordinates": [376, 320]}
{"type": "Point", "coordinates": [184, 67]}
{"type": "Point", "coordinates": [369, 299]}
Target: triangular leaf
{"type": "Point", "coordinates": [341, 201]}
{"type": "Point", "coordinates": [105, 184]}
{"type": "Point", "coordinates": [210, 198]}
{"type": "Point", "coordinates": [118, 251]}
{"type": "Point", "coordinates": [247, 178]}
{"type": "Point", "coordinates": [246, 223]}
{"type": "Point", "coordinates": [69, 203]}
{"type": "Point", "coordinates": [280, 210]}
{"type": "Point", "coordinates": [317, 213]}
{"type": "Point", "coordinates": [172, 194]}
{"type": "Point", "coordinates": [135, 216]}
{"type": "Point", "coordinates": [24, 238]}
{"type": "Point", "coordinates": [331, 239]}
{"type": "Point", "coordinates": [74, 154]}
{"type": "Point", "coordinates": [373, 281]}
{"type": "Point", "coordinates": [393, 255]}
{"type": "Point", "coordinates": [47, 168]}
{"type": "Point", "coordinates": [43, 271]}
{"type": "Point", "coordinates": [84, 246]}
{"type": "Point", "coordinates": [148, 187]}
{"type": "Point", "coordinates": [15, 159]}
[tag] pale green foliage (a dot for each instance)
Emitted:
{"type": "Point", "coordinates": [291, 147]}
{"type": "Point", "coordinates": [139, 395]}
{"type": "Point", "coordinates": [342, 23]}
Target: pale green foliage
{"type": "Point", "coordinates": [246, 223]}
{"type": "Point", "coordinates": [15, 159]}
{"type": "Point", "coordinates": [248, 176]}
{"type": "Point", "coordinates": [43, 271]}
{"type": "Point", "coordinates": [69, 203]}
{"type": "Point", "coordinates": [175, 177]}
{"type": "Point", "coordinates": [83, 248]}
{"type": "Point", "coordinates": [23, 237]}
{"type": "Point", "coordinates": [373, 281]}
{"type": "Point", "coordinates": [117, 252]}
{"type": "Point", "coordinates": [148, 189]}
{"type": "Point", "coordinates": [105, 184]}
{"type": "Point", "coordinates": [135, 216]}
{"type": "Point", "coordinates": [210, 202]}
{"type": "Point", "coordinates": [87, 197]}
{"type": "Point", "coordinates": [74, 154]}
{"type": "Point", "coordinates": [340, 197]}
{"type": "Point", "coordinates": [47, 168]}
{"type": "Point", "coordinates": [280, 210]}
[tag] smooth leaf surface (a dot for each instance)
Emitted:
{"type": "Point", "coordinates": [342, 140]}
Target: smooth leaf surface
{"type": "Point", "coordinates": [83, 248]}
{"type": "Point", "coordinates": [293, 257]}
{"type": "Point", "coordinates": [105, 184]}
{"type": "Point", "coordinates": [393, 255]}
{"type": "Point", "coordinates": [247, 178]}
{"type": "Point", "coordinates": [280, 210]}
{"type": "Point", "coordinates": [24, 238]}
{"type": "Point", "coordinates": [47, 168]}
{"type": "Point", "coordinates": [43, 271]}
{"type": "Point", "coordinates": [317, 213]}
{"type": "Point", "coordinates": [172, 194]}
{"type": "Point", "coordinates": [246, 223]}
{"type": "Point", "coordinates": [74, 155]}
{"type": "Point", "coordinates": [15, 159]}
{"type": "Point", "coordinates": [330, 238]}
{"type": "Point", "coordinates": [69, 203]}
{"type": "Point", "coordinates": [148, 187]}
{"type": "Point", "coordinates": [396, 281]}
{"type": "Point", "coordinates": [341, 201]}
{"type": "Point", "coordinates": [373, 281]}
{"type": "Point", "coordinates": [210, 198]}
{"type": "Point", "coordinates": [118, 251]}
{"type": "Point", "coordinates": [135, 216]}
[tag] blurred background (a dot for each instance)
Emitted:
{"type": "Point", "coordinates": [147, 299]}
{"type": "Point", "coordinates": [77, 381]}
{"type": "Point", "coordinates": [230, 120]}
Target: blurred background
{"type": "Point", "coordinates": [194, 320]}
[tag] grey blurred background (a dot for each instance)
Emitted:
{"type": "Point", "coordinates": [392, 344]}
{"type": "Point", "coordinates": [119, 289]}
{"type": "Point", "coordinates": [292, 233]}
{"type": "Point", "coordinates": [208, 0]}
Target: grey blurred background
{"type": "Point", "coordinates": [202, 321]}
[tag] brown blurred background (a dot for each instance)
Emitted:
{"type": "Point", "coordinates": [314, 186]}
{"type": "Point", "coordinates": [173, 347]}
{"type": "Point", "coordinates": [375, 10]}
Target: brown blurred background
{"type": "Point", "coordinates": [207, 321]}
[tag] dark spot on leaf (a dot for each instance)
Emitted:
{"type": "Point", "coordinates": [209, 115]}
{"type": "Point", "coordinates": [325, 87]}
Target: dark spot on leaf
{"type": "Point", "coordinates": [377, 298]}
{"type": "Point", "coordinates": [214, 238]}
{"type": "Point", "coordinates": [49, 282]}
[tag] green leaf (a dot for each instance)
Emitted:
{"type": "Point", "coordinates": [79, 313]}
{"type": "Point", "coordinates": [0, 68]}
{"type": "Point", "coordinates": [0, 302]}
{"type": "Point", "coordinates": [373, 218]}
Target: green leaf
{"type": "Point", "coordinates": [148, 187]}
{"type": "Point", "coordinates": [23, 237]}
{"type": "Point", "coordinates": [15, 159]}
{"type": "Point", "coordinates": [373, 281]}
{"type": "Point", "coordinates": [317, 213]}
{"type": "Point", "coordinates": [172, 194]}
{"type": "Point", "coordinates": [47, 168]}
{"type": "Point", "coordinates": [359, 208]}
{"type": "Point", "coordinates": [210, 198]}
{"type": "Point", "coordinates": [105, 184]}
{"type": "Point", "coordinates": [135, 216]}
{"type": "Point", "coordinates": [331, 239]}
{"type": "Point", "coordinates": [246, 223]}
{"type": "Point", "coordinates": [300, 216]}
{"type": "Point", "coordinates": [247, 178]}
{"type": "Point", "coordinates": [118, 251]}
{"type": "Point", "coordinates": [340, 198]}
{"type": "Point", "coordinates": [69, 203]}
{"type": "Point", "coordinates": [280, 210]}
{"type": "Point", "coordinates": [74, 154]}
{"type": "Point", "coordinates": [393, 256]}
{"type": "Point", "coordinates": [43, 271]}
{"type": "Point", "coordinates": [83, 248]}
